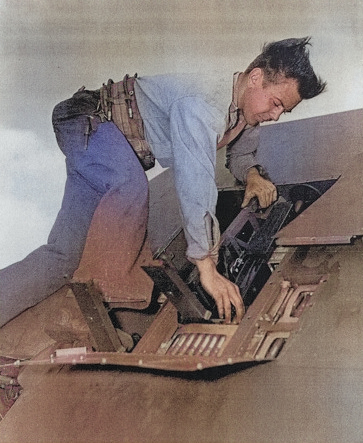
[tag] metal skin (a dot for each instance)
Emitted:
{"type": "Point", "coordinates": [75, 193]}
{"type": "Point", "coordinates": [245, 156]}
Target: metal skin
{"type": "Point", "coordinates": [168, 344]}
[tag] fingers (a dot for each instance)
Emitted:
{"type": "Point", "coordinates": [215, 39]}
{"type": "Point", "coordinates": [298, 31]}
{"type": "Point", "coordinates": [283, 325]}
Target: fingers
{"type": "Point", "coordinates": [239, 306]}
{"type": "Point", "coordinates": [267, 195]}
{"type": "Point", "coordinates": [235, 299]}
{"type": "Point", "coordinates": [228, 298]}
{"type": "Point", "coordinates": [264, 190]}
{"type": "Point", "coordinates": [224, 292]}
{"type": "Point", "coordinates": [247, 198]}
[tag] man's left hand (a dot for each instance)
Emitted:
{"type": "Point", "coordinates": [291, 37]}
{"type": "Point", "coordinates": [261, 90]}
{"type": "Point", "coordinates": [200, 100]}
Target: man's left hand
{"type": "Point", "coordinates": [257, 186]}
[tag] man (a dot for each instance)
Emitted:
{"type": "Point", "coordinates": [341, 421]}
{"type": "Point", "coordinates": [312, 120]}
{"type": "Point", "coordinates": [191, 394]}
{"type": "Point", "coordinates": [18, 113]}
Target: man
{"type": "Point", "coordinates": [184, 118]}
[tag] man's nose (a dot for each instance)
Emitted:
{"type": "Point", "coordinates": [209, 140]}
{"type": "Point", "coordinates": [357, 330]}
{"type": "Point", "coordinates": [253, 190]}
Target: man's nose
{"type": "Point", "coordinates": [276, 113]}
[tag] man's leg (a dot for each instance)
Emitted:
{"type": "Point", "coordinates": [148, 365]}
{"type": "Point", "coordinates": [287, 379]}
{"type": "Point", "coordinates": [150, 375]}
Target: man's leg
{"type": "Point", "coordinates": [107, 161]}
{"type": "Point", "coordinates": [116, 246]}
{"type": "Point", "coordinates": [45, 270]}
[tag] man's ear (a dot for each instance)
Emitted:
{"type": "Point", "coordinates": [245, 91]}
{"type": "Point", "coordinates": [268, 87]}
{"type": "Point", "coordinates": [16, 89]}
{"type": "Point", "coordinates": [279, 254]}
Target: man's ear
{"type": "Point", "coordinates": [255, 77]}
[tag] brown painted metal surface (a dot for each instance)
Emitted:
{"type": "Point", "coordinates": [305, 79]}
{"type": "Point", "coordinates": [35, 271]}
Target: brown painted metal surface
{"type": "Point", "coordinates": [269, 323]}
{"type": "Point", "coordinates": [104, 336]}
{"type": "Point", "coordinates": [312, 393]}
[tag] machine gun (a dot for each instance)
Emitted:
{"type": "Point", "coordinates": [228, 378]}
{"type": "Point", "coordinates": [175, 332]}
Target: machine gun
{"type": "Point", "coordinates": [246, 248]}
{"type": "Point", "coordinates": [247, 245]}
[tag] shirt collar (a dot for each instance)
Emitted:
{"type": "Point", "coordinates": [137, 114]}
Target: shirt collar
{"type": "Point", "coordinates": [233, 111]}
{"type": "Point", "coordinates": [234, 114]}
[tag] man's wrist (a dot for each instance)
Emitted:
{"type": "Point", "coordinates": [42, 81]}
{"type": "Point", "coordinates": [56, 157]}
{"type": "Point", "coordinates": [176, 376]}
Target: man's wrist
{"type": "Point", "coordinates": [252, 171]}
{"type": "Point", "coordinates": [205, 264]}
{"type": "Point", "coordinates": [256, 170]}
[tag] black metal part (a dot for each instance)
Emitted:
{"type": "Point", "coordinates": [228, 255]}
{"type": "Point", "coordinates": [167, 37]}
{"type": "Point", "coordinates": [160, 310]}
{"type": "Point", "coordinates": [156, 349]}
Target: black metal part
{"type": "Point", "coordinates": [262, 241]}
{"type": "Point", "coordinates": [170, 283]}
{"type": "Point", "coordinates": [248, 240]}
{"type": "Point", "coordinates": [247, 245]}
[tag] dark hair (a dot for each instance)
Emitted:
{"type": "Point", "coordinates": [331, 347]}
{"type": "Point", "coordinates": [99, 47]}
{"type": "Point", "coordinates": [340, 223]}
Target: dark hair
{"type": "Point", "coordinates": [289, 58]}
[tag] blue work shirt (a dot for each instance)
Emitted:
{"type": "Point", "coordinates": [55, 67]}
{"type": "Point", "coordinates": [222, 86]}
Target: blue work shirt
{"type": "Point", "coordinates": [184, 116]}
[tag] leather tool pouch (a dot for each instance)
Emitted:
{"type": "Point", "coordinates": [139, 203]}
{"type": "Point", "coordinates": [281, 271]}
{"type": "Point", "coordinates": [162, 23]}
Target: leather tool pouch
{"type": "Point", "coordinates": [82, 103]}
{"type": "Point", "coordinates": [118, 103]}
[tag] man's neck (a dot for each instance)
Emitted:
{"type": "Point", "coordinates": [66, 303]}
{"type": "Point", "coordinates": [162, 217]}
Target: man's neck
{"type": "Point", "coordinates": [239, 89]}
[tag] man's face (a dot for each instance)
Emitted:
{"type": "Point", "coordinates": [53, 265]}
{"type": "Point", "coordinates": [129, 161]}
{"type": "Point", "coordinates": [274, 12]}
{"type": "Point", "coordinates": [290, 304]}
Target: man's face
{"type": "Point", "coordinates": [262, 101]}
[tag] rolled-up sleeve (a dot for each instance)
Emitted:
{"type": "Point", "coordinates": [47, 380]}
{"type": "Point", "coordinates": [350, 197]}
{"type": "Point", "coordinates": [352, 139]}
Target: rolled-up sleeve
{"type": "Point", "coordinates": [241, 153]}
{"type": "Point", "coordinates": [194, 135]}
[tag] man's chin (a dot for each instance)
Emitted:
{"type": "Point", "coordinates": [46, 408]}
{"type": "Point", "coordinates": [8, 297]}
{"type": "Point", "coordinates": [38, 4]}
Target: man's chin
{"type": "Point", "coordinates": [252, 121]}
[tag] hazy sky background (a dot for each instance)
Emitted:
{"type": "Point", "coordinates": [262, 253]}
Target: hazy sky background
{"type": "Point", "coordinates": [49, 48]}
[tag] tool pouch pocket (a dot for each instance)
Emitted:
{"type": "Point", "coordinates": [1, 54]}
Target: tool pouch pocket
{"type": "Point", "coordinates": [118, 103]}
{"type": "Point", "coordinates": [83, 102]}
{"type": "Point", "coordinates": [75, 119]}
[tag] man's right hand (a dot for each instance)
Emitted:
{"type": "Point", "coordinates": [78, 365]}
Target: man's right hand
{"type": "Point", "coordinates": [224, 292]}
{"type": "Point", "coordinates": [257, 186]}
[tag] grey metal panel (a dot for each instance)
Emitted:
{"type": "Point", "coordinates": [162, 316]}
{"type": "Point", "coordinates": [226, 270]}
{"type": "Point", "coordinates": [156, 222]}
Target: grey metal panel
{"type": "Point", "coordinates": [335, 217]}
{"type": "Point", "coordinates": [164, 214]}
{"type": "Point", "coordinates": [317, 148]}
